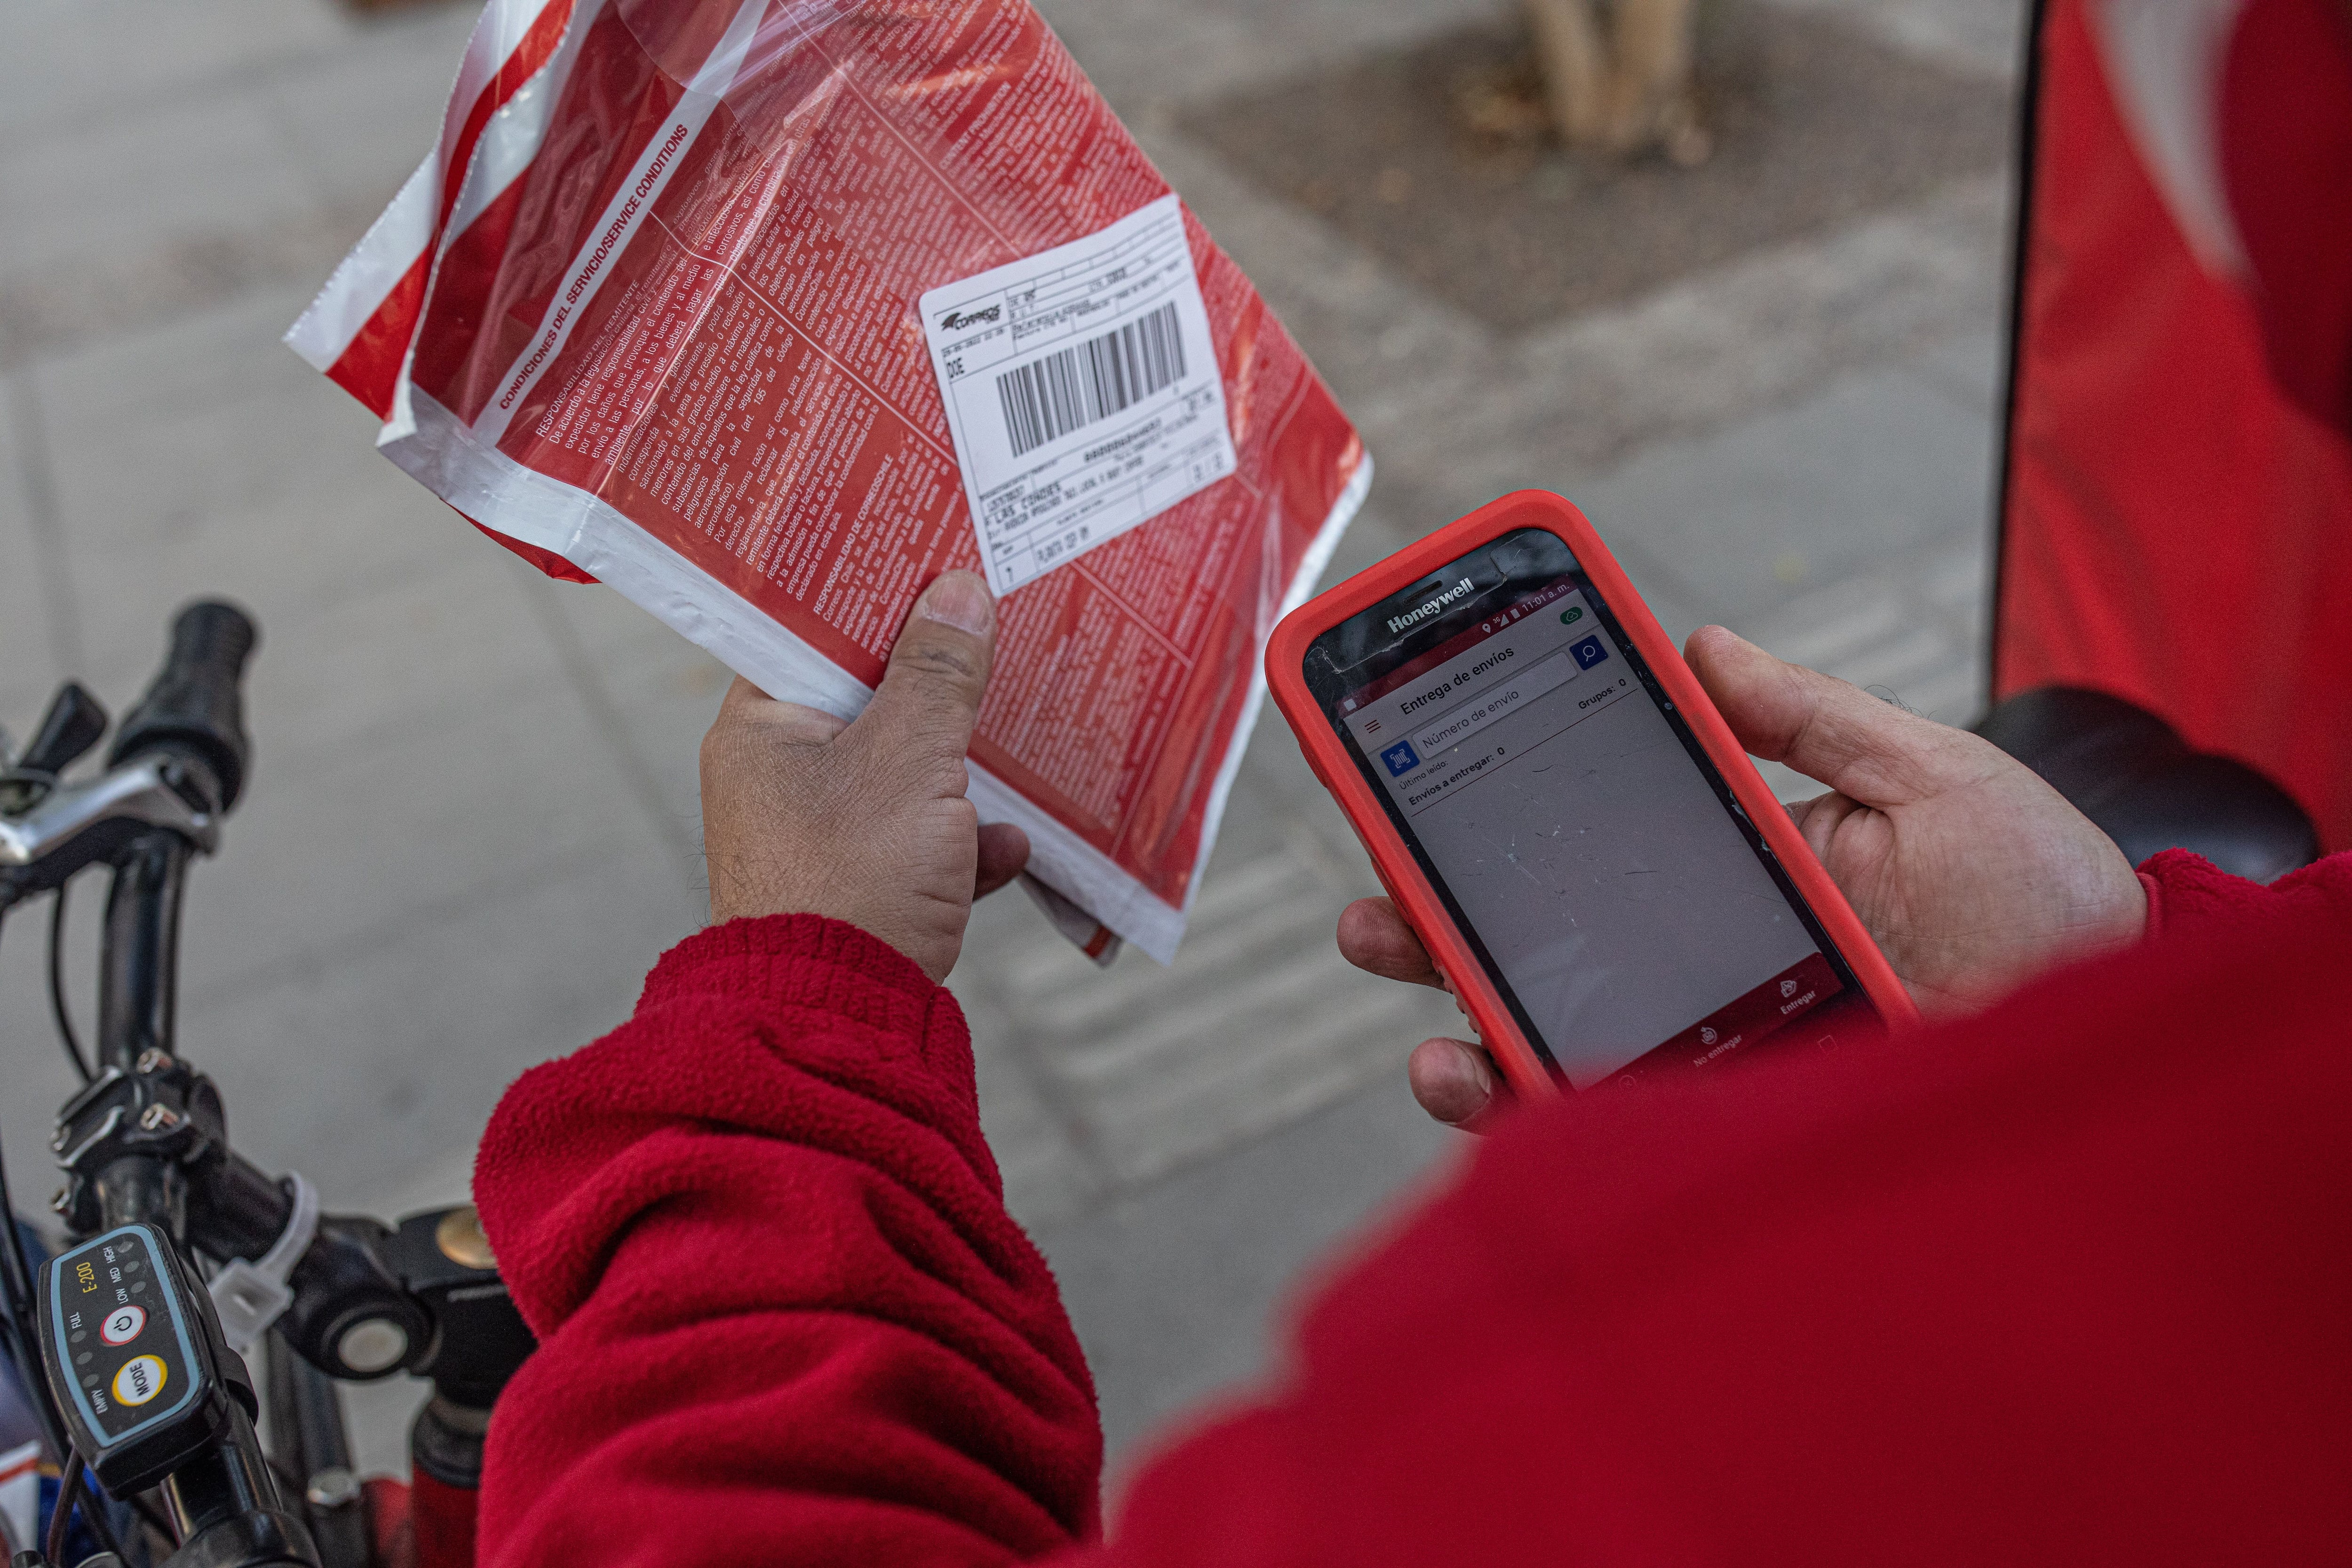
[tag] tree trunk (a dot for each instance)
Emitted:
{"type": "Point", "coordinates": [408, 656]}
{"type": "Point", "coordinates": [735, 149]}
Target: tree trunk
{"type": "Point", "coordinates": [1617, 74]}
{"type": "Point", "coordinates": [1575, 63]}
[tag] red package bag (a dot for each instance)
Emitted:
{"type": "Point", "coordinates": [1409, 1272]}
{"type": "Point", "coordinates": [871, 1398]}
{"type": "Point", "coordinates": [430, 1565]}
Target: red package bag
{"type": "Point", "coordinates": [765, 312]}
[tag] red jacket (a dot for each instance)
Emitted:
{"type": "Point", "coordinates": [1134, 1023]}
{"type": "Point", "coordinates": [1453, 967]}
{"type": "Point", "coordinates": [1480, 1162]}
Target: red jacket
{"type": "Point", "coordinates": [2070, 1281]}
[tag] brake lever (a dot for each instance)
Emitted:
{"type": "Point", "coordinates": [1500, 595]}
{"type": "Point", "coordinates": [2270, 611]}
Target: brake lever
{"type": "Point", "coordinates": [59, 835]}
{"type": "Point", "coordinates": [75, 722]}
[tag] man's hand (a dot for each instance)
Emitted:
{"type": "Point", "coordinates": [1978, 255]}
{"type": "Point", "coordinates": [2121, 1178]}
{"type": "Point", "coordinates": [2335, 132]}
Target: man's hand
{"type": "Point", "coordinates": [1971, 872]}
{"type": "Point", "coordinates": [864, 821]}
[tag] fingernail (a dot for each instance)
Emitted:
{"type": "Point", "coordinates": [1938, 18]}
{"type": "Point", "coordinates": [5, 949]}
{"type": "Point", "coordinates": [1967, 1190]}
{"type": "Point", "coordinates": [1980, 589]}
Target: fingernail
{"type": "Point", "coordinates": [959, 600]}
{"type": "Point", "coordinates": [1478, 1073]}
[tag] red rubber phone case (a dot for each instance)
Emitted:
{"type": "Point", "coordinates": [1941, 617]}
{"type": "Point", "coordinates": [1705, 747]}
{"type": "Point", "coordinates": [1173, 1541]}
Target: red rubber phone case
{"type": "Point", "coordinates": [1401, 876]}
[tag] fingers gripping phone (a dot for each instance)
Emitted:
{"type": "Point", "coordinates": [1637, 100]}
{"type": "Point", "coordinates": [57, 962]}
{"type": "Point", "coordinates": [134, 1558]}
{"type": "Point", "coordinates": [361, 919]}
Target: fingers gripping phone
{"type": "Point", "coordinates": [1558, 811]}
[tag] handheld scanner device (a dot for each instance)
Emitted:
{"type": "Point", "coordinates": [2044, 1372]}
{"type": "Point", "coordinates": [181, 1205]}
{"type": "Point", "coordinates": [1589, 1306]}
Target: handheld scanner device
{"type": "Point", "coordinates": [135, 1357]}
{"type": "Point", "coordinates": [1557, 808]}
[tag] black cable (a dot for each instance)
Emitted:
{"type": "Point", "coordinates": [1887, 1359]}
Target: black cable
{"type": "Point", "coordinates": [94, 1510]}
{"type": "Point", "coordinates": [68, 1493]}
{"type": "Point", "coordinates": [74, 1488]}
{"type": "Point", "coordinates": [17, 1299]}
{"type": "Point", "coordinates": [15, 1324]}
{"type": "Point", "coordinates": [66, 1035]}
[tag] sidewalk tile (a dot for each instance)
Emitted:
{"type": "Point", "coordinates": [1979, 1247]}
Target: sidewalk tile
{"type": "Point", "coordinates": [204, 458]}
{"type": "Point", "coordinates": [1144, 53]}
{"type": "Point", "coordinates": [1876, 465]}
{"type": "Point", "coordinates": [415, 826]}
{"type": "Point", "coordinates": [1177, 1288]}
{"type": "Point", "coordinates": [367, 1065]}
{"type": "Point", "coordinates": [1259, 1021]}
{"type": "Point", "coordinates": [359, 120]}
{"type": "Point", "coordinates": [1047, 1175]}
{"type": "Point", "coordinates": [1972, 365]}
{"type": "Point", "coordinates": [144, 179]}
{"type": "Point", "coordinates": [391, 662]}
{"type": "Point", "coordinates": [1983, 36]}
{"type": "Point", "coordinates": [73, 62]}
{"type": "Point", "coordinates": [662, 690]}
{"type": "Point", "coordinates": [27, 645]}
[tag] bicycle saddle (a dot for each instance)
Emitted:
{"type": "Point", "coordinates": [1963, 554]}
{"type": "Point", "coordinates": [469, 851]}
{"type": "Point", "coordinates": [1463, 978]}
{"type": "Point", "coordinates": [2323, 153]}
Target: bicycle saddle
{"type": "Point", "coordinates": [2146, 788]}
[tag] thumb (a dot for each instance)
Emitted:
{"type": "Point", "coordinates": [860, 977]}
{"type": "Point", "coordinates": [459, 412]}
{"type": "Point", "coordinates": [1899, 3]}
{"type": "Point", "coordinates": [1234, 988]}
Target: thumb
{"type": "Point", "coordinates": [929, 696]}
{"type": "Point", "coordinates": [1830, 729]}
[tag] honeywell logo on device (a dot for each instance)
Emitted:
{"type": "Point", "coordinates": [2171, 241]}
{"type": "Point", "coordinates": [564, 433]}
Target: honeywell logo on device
{"type": "Point", "coordinates": [1422, 613]}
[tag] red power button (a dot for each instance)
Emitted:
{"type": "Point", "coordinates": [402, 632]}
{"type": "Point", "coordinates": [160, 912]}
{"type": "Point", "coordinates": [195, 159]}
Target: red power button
{"type": "Point", "coordinates": [122, 1325]}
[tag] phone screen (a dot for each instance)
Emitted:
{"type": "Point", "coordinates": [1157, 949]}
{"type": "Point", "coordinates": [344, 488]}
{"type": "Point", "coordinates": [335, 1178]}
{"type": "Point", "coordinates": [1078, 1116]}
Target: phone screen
{"type": "Point", "coordinates": [1630, 914]}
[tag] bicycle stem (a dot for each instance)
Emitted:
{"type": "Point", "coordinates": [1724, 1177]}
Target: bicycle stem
{"type": "Point", "coordinates": [138, 985]}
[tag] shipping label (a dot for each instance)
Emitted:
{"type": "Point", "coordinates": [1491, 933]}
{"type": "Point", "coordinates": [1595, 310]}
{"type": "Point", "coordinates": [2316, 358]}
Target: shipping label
{"type": "Point", "coordinates": [1082, 389]}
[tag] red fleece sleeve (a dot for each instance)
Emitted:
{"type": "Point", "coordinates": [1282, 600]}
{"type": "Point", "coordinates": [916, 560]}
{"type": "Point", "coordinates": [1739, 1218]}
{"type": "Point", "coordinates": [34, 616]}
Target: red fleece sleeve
{"type": "Point", "coordinates": [2187, 893]}
{"type": "Point", "coordinates": [783, 1315]}
{"type": "Point", "coordinates": [2066, 1281]}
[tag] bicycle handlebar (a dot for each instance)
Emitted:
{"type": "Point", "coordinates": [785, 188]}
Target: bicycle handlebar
{"type": "Point", "coordinates": [177, 766]}
{"type": "Point", "coordinates": [145, 1141]}
{"type": "Point", "coordinates": [196, 703]}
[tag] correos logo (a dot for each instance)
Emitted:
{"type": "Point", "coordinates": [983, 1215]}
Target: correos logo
{"type": "Point", "coordinates": [1422, 612]}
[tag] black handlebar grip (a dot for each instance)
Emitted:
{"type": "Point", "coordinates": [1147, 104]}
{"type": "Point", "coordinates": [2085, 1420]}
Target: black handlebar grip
{"type": "Point", "coordinates": [195, 704]}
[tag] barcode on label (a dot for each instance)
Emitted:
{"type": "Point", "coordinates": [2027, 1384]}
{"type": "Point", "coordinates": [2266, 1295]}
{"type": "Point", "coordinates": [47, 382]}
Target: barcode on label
{"type": "Point", "coordinates": [1093, 380]}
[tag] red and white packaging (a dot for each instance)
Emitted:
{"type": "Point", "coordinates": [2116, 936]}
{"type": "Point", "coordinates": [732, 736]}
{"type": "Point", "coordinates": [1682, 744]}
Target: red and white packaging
{"type": "Point", "coordinates": [20, 1496]}
{"type": "Point", "coordinates": [672, 304]}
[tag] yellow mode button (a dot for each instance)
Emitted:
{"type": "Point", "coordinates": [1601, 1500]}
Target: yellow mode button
{"type": "Point", "coordinates": [141, 1380]}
